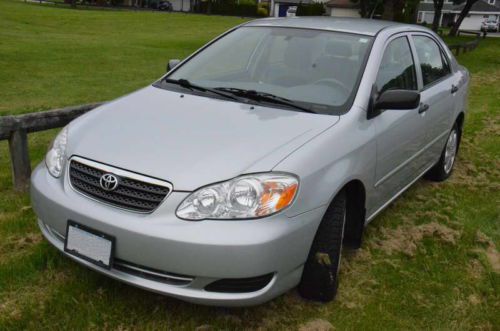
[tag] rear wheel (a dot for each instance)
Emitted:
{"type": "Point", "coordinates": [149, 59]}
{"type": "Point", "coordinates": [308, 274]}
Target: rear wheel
{"type": "Point", "coordinates": [443, 169]}
{"type": "Point", "coordinates": [320, 276]}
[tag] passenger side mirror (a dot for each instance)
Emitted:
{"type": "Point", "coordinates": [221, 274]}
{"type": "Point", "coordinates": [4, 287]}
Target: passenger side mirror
{"type": "Point", "coordinates": [172, 63]}
{"type": "Point", "coordinates": [394, 99]}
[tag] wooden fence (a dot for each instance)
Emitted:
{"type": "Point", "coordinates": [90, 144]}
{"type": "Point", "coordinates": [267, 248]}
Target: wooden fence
{"type": "Point", "coordinates": [16, 129]}
{"type": "Point", "coordinates": [468, 45]}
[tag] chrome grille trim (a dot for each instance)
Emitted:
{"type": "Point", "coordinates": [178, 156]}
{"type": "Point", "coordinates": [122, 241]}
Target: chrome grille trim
{"type": "Point", "coordinates": [137, 193]}
{"type": "Point", "coordinates": [156, 275]}
{"type": "Point", "coordinates": [55, 233]}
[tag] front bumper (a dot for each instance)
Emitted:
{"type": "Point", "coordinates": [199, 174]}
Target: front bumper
{"type": "Point", "coordinates": [202, 252]}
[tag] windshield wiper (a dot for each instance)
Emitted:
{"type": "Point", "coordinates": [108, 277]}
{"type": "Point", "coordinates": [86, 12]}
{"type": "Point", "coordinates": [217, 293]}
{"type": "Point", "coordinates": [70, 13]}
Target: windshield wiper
{"type": "Point", "coordinates": [264, 96]}
{"type": "Point", "coordinates": [187, 84]}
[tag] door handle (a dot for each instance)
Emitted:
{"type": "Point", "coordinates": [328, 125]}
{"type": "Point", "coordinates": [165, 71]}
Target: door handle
{"type": "Point", "coordinates": [423, 108]}
{"type": "Point", "coordinates": [454, 88]}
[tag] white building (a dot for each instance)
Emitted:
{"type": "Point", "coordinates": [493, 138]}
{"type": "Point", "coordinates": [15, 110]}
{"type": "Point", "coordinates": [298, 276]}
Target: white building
{"type": "Point", "coordinates": [480, 11]}
{"type": "Point", "coordinates": [342, 8]}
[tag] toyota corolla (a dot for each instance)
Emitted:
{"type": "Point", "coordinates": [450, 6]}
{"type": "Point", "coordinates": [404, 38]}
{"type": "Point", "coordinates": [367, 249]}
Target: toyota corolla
{"type": "Point", "coordinates": [246, 169]}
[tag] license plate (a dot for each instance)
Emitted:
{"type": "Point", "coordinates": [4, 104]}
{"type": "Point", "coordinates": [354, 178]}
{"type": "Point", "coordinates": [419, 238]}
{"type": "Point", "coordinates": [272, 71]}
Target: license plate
{"type": "Point", "coordinates": [89, 244]}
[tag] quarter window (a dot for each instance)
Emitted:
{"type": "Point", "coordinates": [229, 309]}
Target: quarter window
{"type": "Point", "coordinates": [397, 70]}
{"type": "Point", "coordinates": [432, 60]}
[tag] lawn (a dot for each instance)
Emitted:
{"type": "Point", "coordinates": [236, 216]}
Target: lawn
{"type": "Point", "coordinates": [430, 261]}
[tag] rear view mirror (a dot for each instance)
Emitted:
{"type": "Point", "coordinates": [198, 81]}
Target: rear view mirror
{"type": "Point", "coordinates": [394, 99]}
{"type": "Point", "coordinates": [172, 63]}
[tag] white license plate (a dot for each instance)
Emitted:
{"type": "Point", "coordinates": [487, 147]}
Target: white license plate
{"type": "Point", "coordinates": [89, 244]}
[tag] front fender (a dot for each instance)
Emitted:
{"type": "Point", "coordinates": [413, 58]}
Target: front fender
{"type": "Point", "coordinates": [345, 152]}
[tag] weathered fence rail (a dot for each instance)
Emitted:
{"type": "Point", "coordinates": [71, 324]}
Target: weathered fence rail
{"type": "Point", "coordinates": [468, 45]}
{"type": "Point", "coordinates": [15, 128]}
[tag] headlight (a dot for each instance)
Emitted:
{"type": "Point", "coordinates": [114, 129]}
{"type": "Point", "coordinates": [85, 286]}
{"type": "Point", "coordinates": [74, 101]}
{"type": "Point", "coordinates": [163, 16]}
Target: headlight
{"type": "Point", "coordinates": [56, 156]}
{"type": "Point", "coordinates": [248, 196]}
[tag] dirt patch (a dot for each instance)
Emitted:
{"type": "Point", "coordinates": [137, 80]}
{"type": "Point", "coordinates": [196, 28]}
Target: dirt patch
{"type": "Point", "coordinates": [34, 296]}
{"type": "Point", "coordinates": [490, 251]}
{"type": "Point", "coordinates": [482, 175]}
{"type": "Point", "coordinates": [475, 269]}
{"type": "Point", "coordinates": [490, 79]}
{"type": "Point", "coordinates": [15, 245]}
{"type": "Point", "coordinates": [4, 216]}
{"type": "Point", "coordinates": [474, 299]}
{"type": "Point", "coordinates": [405, 238]}
{"type": "Point", "coordinates": [317, 325]}
{"type": "Point", "coordinates": [355, 266]}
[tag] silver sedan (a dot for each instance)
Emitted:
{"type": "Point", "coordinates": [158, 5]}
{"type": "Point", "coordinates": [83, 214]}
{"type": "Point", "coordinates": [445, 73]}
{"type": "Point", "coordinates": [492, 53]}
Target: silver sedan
{"type": "Point", "coordinates": [243, 171]}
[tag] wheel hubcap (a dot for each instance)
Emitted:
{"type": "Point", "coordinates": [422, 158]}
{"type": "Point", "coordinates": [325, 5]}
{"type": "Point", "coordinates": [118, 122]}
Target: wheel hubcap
{"type": "Point", "coordinates": [450, 151]}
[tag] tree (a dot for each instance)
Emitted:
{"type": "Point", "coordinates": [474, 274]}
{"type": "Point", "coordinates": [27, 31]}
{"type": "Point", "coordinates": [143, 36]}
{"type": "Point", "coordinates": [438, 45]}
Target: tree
{"type": "Point", "coordinates": [393, 10]}
{"type": "Point", "coordinates": [389, 9]}
{"type": "Point", "coordinates": [463, 14]}
{"type": "Point", "coordinates": [438, 7]}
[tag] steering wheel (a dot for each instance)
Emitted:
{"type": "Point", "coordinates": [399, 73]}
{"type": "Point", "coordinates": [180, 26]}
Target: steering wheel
{"type": "Point", "coordinates": [335, 83]}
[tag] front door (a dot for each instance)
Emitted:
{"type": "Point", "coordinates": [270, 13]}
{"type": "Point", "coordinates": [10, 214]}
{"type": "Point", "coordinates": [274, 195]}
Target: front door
{"type": "Point", "coordinates": [400, 133]}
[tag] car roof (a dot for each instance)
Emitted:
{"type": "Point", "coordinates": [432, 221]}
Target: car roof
{"type": "Point", "coordinates": [364, 26]}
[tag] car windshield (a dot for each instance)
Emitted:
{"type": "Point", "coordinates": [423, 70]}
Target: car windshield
{"type": "Point", "coordinates": [315, 69]}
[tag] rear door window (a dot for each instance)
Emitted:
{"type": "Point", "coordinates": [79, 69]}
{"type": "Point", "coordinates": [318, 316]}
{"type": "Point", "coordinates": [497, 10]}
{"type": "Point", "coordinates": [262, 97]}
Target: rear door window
{"type": "Point", "coordinates": [433, 63]}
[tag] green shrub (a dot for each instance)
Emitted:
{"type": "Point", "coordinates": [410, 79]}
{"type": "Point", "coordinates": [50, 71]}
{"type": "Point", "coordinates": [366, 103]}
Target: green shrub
{"type": "Point", "coordinates": [313, 9]}
{"type": "Point", "coordinates": [264, 5]}
{"type": "Point", "coordinates": [248, 2]}
{"type": "Point", "coordinates": [262, 12]}
{"type": "Point", "coordinates": [230, 8]}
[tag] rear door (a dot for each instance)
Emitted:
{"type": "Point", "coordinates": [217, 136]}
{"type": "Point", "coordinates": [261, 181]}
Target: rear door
{"type": "Point", "coordinates": [436, 95]}
{"type": "Point", "coordinates": [400, 133]}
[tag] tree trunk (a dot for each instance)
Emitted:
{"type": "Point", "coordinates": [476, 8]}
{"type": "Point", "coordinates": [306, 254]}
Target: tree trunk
{"type": "Point", "coordinates": [438, 7]}
{"type": "Point", "coordinates": [463, 14]}
{"type": "Point", "coordinates": [398, 10]}
{"type": "Point", "coordinates": [363, 8]}
{"type": "Point", "coordinates": [388, 10]}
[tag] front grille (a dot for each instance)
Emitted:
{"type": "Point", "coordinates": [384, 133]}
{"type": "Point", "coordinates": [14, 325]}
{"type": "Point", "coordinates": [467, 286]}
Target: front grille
{"type": "Point", "coordinates": [239, 285]}
{"type": "Point", "coordinates": [130, 193]}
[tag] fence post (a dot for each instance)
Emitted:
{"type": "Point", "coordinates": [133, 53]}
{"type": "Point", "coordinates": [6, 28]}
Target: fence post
{"type": "Point", "coordinates": [20, 159]}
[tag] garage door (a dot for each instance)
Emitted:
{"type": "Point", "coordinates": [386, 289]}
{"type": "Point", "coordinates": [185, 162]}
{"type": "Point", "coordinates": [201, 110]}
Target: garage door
{"type": "Point", "coordinates": [472, 23]}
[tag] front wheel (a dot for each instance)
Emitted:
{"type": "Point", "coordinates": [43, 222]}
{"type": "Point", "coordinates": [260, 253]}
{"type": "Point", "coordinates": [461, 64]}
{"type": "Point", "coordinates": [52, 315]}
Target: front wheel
{"type": "Point", "coordinates": [442, 170]}
{"type": "Point", "coordinates": [320, 276]}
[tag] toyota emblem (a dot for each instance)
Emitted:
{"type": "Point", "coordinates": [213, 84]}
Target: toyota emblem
{"type": "Point", "coordinates": [108, 182]}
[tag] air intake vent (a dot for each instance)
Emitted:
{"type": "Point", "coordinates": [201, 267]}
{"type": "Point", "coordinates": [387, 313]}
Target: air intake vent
{"type": "Point", "coordinates": [239, 285]}
{"type": "Point", "coordinates": [129, 193]}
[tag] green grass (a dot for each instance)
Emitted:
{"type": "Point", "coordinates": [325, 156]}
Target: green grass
{"type": "Point", "coordinates": [427, 262]}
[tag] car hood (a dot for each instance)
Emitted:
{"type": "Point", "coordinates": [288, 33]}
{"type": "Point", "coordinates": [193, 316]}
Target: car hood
{"type": "Point", "coordinates": [190, 140]}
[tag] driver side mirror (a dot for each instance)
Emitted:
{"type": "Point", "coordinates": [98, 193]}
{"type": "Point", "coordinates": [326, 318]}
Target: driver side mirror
{"type": "Point", "coordinates": [172, 63]}
{"type": "Point", "coordinates": [394, 99]}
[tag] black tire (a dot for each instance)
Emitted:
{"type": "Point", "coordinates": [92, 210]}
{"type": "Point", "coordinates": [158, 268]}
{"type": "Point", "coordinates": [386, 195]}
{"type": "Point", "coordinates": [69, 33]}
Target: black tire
{"type": "Point", "coordinates": [320, 276]}
{"type": "Point", "coordinates": [440, 171]}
